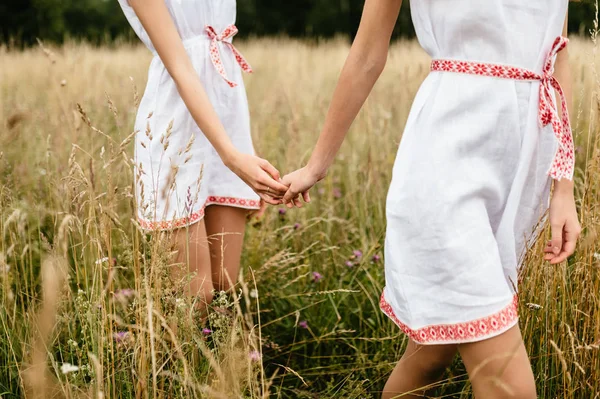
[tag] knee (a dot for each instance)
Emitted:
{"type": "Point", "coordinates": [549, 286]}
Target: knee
{"type": "Point", "coordinates": [433, 366]}
{"type": "Point", "coordinates": [524, 390]}
{"type": "Point", "coordinates": [202, 290]}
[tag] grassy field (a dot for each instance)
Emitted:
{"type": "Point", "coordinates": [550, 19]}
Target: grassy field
{"type": "Point", "coordinates": [87, 307]}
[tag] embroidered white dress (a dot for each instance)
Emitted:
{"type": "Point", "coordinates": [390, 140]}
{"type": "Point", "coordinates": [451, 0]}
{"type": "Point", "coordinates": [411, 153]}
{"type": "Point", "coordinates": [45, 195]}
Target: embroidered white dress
{"type": "Point", "coordinates": [178, 171]}
{"type": "Point", "coordinates": [471, 179]}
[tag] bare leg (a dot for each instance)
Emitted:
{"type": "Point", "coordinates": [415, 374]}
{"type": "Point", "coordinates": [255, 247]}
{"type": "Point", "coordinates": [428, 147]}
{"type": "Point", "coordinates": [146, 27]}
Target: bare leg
{"type": "Point", "coordinates": [193, 257]}
{"type": "Point", "coordinates": [225, 227]}
{"type": "Point", "coordinates": [420, 366]}
{"type": "Point", "coordinates": [499, 367]}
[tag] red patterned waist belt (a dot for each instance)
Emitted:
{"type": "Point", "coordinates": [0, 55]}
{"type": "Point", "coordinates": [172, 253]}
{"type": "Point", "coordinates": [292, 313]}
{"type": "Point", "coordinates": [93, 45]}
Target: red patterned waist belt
{"type": "Point", "coordinates": [563, 164]}
{"type": "Point", "coordinates": [215, 56]}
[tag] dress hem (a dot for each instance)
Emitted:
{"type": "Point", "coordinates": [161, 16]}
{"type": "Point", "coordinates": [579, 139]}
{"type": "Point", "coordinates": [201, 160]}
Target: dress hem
{"type": "Point", "coordinates": [459, 333]}
{"type": "Point", "coordinates": [234, 202]}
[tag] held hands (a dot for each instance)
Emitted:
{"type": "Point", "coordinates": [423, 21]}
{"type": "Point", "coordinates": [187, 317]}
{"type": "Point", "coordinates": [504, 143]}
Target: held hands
{"type": "Point", "coordinates": [299, 183]}
{"type": "Point", "coordinates": [260, 175]}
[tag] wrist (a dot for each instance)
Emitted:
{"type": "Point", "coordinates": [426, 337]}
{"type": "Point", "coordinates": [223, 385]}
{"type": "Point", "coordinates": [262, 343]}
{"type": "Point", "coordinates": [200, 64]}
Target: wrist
{"type": "Point", "coordinates": [230, 157]}
{"type": "Point", "coordinates": [564, 187]}
{"type": "Point", "coordinates": [316, 169]}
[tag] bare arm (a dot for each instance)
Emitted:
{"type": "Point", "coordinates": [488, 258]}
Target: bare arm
{"type": "Point", "coordinates": [363, 66]}
{"type": "Point", "coordinates": [257, 173]}
{"type": "Point", "coordinates": [564, 222]}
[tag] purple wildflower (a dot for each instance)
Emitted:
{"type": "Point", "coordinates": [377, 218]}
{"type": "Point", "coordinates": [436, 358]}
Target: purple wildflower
{"type": "Point", "coordinates": [337, 193]}
{"type": "Point", "coordinates": [316, 276]}
{"type": "Point", "coordinates": [303, 324]}
{"type": "Point", "coordinates": [357, 254]}
{"type": "Point", "coordinates": [321, 191]}
{"type": "Point", "coordinates": [121, 337]}
{"type": "Point", "coordinates": [297, 226]}
{"type": "Point", "coordinates": [282, 211]}
{"type": "Point", "coordinates": [124, 294]}
{"type": "Point", "coordinates": [206, 331]}
{"type": "Point", "coordinates": [349, 263]}
{"type": "Point", "coordinates": [254, 356]}
{"type": "Point", "coordinates": [375, 258]}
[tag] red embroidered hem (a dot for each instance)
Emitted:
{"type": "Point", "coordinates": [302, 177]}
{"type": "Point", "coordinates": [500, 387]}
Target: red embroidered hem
{"type": "Point", "coordinates": [470, 331]}
{"type": "Point", "coordinates": [198, 215]}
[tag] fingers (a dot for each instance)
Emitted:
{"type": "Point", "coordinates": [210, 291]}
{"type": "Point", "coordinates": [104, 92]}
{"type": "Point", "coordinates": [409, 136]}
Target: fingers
{"type": "Point", "coordinates": [289, 196]}
{"type": "Point", "coordinates": [306, 197]}
{"type": "Point", "coordinates": [270, 169]}
{"type": "Point", "coordinates": [272, 187]}
{"type": "Point", "coordinates": [567, 241]}
{"type": "Point", "coordinates": [557, 237]}
{"type": "Point", "coordinates": [268, 199]}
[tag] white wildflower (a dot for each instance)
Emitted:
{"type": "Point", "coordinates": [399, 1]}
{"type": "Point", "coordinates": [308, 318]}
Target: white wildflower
{"type": "Point", "coordinates": [596, 256]}
{"type": "Point", "coordinates": [67, 368]}
{"type": "Point", "coordinates": [102, 260]}
{"type": "Point", "coordinates": [253, 293]}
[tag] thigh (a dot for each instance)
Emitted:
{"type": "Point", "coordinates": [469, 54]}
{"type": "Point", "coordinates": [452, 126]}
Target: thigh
{"type": "Point", "coordinates": [499, 367]}
{"type": "Point", "coordinates": [420, 367]}
{"type": "Point", "coordinates": [193, 266]}
{"type": "Point", "coordinates": [225, 227]}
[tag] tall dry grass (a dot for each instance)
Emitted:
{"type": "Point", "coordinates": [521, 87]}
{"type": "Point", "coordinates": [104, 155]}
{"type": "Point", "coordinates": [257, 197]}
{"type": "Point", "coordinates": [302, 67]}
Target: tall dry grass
{"type": "Point", "coordinates": [88, 310]}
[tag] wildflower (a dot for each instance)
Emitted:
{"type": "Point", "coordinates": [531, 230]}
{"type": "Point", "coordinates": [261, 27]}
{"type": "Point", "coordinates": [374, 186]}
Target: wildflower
{"type": "Point", "coordinates": [67, 368]}
{"type": "Point", "coordinates": [101, 260]}
{"type": "Point", "coordinates": [124, 294]}
{"type": "Point", "coordinates": [206, 331]}
{"type": "Point", "coordinates": [375, 258]}
{"type": "Point", "coordinates": [316, 276]}
{"type": "Point", "coordinates": [303, 324]}
{"type": "Point", "coordinates": [121, 337]}
{"type": "Point", "coordinates": [321, 191]}
{"type": "Point", "coordinates": [357, 253]}
{"type": "Point", "coordinates": [349, 263]}
{"type": "Point", "coordinates": [596, 256]}
{"type": "Point", "coordinates": [253, 293]}
{"type": "Point", "coordinates": [254, 356]}
{"type": "Point", "coordinates": [337, 193]}
{"type": "Point", "coordinates": [282, 211]}
{"type": "Point", "coordinates": [297, 226]}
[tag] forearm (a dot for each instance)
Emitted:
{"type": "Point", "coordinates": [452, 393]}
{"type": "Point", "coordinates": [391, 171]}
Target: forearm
{"type": "Point", "coordinates": [157, 21]}
{"type": "Point", "coordinates": [355, 83]}
{"type": "Point", "coordinates": [198, 104]}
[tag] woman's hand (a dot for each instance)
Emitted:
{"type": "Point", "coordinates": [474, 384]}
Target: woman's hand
{"type": "Point", "coordinates": [260, 175]}
{"type": "Point", "coordinates": [564, 224]}
{"type": "Point", "coordinates": [299, 182]}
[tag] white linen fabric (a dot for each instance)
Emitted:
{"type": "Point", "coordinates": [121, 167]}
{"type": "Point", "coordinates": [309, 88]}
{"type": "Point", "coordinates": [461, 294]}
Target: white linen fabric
{"type": "Point", "coordinates": [470, 181]}
{"type": "Point", "coordinates": [178, 171]}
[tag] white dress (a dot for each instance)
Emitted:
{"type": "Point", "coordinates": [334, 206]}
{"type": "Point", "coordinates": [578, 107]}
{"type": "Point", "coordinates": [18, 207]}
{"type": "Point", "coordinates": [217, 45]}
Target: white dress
{"type": "Point", "coordinates": [178, 172]}
{"type": "Point", "coordinates": [470, 181]}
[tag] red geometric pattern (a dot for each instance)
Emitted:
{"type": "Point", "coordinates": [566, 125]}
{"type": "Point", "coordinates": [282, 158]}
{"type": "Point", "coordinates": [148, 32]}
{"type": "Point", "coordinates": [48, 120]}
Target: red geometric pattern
{"type": "Point", "coordinates": [215, 56]}
{"type": "Point", "coordinates": [461, 332]}
{"type": "Point", "coordinates": [194, 217]}
{"type": "Point", "coordinates": [563, 164]}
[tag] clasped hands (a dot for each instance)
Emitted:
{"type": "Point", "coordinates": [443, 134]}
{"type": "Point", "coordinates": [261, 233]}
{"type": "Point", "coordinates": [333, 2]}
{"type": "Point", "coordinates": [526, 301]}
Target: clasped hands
{"type": "Point", "coordinates": [267, 182]}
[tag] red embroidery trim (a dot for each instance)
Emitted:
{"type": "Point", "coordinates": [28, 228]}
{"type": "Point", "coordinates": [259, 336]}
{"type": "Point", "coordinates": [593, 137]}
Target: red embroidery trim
{"type": "Point", "coordinates": [460, 332]}
{"type": "Point", "coordinates": [194, 217]}
{"type": "Point", "coordinates": [563, 164]}
{"type": "Point", "coordinates": [215, 55]}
